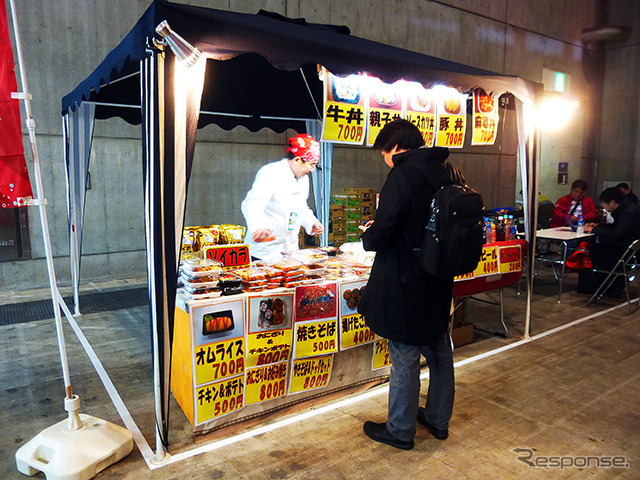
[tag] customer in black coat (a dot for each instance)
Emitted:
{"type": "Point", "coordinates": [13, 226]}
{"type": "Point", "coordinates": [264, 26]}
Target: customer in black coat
{"type": "Point", "coordinates": [401, 301]}
{"type": "Point", "coordinates": [614, 238]}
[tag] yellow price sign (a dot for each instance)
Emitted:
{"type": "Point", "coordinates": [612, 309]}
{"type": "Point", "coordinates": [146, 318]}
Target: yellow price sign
{"type": "Point", "coordinates": [344, 123]}
{"type": "Point", "coordinates": [220, 398]}
{"type": "Point", "coordinates": [465, 276]}
{"type": "Point", "coordinates": [378, 119]}
{"type": "Point", "coordinates": [380, 354]}
{"type": "Point", "coordinates": [268, 347]}
{"type": "Point", "coordinates": [510, 259]}
{"type": "Point", "coordinates": [426, 123]}
{"type": "Point", "coordinates": [215, 361]}
{"type": "Point", "coordinates": [265, 383]}
{"type": "Point", "coordinates": [345, 109]}
{"type": "Point", "coordinates": [310, 373]}
{"type": "Point", "coordinates": [450, 131]}
{"type": "Point", "coordinates": [484, 129]}
{"type": "Point", "coordinates": [354, 332]}
{"type": "Point", "coordinates": [488, 264]}
{"type": "Point", "coordinates": [315, 338]}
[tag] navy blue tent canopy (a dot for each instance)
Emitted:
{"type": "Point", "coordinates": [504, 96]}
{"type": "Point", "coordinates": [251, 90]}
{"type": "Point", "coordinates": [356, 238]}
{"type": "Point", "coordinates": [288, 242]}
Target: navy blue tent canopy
{"type": "Point", "coordinates": [273, 73]}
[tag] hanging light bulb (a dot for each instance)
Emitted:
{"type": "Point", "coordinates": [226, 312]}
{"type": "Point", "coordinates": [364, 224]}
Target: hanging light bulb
{"type": "Point", "coordinates": [183, 50]}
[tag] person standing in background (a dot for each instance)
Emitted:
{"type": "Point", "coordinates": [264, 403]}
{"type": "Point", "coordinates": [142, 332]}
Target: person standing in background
{"type": "Point", "coordinates": [572, 206]}
{"type": "Point", "coordinates": [624, 188]}
{"type": "Point", "coordinates": [402, 302]}
{"type": "Point", "coordinates": [276, 206]}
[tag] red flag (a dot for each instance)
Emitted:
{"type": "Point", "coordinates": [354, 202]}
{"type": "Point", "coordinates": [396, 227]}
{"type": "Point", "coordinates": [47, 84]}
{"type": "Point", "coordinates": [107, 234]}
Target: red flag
{"type": "Point", "coordinates": [15, 187]}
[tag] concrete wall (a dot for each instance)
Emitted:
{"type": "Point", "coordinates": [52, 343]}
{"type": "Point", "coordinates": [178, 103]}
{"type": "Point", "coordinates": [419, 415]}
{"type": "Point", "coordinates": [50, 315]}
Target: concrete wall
{"type": "Point", "coordinates": [620, 138]}
{"type": "Point", "coordinates": [64, 40]}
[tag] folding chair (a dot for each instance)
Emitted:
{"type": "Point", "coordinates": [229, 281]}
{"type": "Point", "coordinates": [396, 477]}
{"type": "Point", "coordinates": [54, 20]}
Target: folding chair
{"type": "Point", "coordinates": [626, 267]}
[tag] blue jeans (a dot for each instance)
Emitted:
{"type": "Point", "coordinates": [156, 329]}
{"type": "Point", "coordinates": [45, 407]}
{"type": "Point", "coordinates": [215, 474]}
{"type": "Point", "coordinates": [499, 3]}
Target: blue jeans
{"type": "Point", "coordinates": [404, 387]}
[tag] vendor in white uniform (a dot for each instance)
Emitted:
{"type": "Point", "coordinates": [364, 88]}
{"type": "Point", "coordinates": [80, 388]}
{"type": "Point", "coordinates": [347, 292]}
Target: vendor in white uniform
{"type": "Point", "coordinates": [276, 205]}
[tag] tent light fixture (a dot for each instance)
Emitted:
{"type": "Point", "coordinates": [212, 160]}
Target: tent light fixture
{"type": "Point", "coordinates": [183, 50]}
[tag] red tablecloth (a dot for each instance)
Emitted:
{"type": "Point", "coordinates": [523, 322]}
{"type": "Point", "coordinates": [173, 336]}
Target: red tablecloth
{"type": "Point", "coordinates": [483, 281]}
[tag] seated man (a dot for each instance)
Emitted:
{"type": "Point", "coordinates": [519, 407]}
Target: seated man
{"type": "Point", "coordinates": [573, 205]}
{"type": "Point", "coordinates": [614, 238]}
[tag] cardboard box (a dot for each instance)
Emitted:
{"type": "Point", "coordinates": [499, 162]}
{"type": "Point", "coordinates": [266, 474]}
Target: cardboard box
{"type": "Point", "coordinates": [367, 208]}
{"type": "Point", "coordinates": [353, 201]}
{"type": "Point", "coordinates": [339, 199]}
{"type": "Point", "coordinates": [353, 192]}
{"type": "Point", "coordinates": [462, 334]}
{"type": "Point", "coordinates": [367, 194]}
{"type": "Point", "coordinates": [353, 226]}
{"type": "Point", "coordinates": [353, 213]}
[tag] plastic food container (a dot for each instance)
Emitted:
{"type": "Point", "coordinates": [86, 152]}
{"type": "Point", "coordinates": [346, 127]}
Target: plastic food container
{"type": "Point", "coordinates": [197, 267]}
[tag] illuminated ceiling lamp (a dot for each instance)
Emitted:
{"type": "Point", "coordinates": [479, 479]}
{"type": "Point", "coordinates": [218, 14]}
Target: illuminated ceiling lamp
{"type": "Point", "coordinates": [183, 50]}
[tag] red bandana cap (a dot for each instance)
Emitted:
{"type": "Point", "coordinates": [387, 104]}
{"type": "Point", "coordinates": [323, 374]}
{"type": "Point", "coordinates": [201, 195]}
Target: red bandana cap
{"type": "Point", "coordinates": [305, 147]}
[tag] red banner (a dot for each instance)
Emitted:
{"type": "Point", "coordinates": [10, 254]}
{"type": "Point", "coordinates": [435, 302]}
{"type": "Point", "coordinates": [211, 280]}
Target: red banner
{"type": "Point", "coordinates": [15, 187]}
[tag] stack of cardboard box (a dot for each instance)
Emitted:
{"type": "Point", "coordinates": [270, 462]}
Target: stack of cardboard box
{"type": "Point", "coordinates": [349, 210]}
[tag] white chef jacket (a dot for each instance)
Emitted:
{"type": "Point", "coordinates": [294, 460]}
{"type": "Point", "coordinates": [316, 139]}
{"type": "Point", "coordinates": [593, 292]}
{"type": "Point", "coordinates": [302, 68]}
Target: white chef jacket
{"type": "Point", "coordinates": [277, 201]}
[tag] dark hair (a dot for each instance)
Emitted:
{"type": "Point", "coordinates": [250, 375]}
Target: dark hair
{"type": "Point", "coordinates": [581, 184]}
{"type": "Point", "coordinates": [624, 185]}
{"type": "Point", "coordinates": [398, 133]}
{"type": "Point", "coordinates": [612, 193]}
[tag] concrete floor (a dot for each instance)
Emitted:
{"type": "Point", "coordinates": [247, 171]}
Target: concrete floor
{"type": "Point", "coordinates": [565, 395]}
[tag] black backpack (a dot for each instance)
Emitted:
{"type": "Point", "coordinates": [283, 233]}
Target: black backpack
{"type": "Point", "coordinates": [453, 238]}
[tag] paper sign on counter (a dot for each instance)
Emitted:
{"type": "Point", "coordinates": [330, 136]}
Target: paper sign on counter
{"type": "Point", "coordinates": [310, 373]}
{"type": "Point", "coordinates": [315, 338]}
{"type": "Point", "coordinates": [265, 383]}
{"type": "Point", "coordinates": [380, 354]}
{"type": "Point", "coordinates": [220, 398]}
{"type": "Point", "coordinates": [219, 360]}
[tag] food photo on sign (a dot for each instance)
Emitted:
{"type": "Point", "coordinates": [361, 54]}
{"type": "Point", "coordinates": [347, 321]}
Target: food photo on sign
{"type": "Point", "coordinates": [270, 312]}
{"type": "Point", "coordinates": [218, 321]}
{"type": "Point", "coordinates": [316, 302]}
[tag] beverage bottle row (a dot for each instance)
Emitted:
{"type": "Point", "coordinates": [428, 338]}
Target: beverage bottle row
{"type": "Point", "coordinates": [499, 229]}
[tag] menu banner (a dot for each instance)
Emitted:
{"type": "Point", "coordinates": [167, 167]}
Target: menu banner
{"type": "Point", "coordinates": [485, 118]}
{"type": "Point", "coordinates": [345, 109]}
{"type": "Point", "coordinates": [315, 338]}
{"type": "Point", "coordinates": [269, 333]}
{"type": "Point", "coordinates": [385, 105]}
{"type": "Point", "coordinates": [496, 260]}
{"type": "Point", "coordinates": [488, 264]}
{"type": "Point", "coordinates": [218, 399]}
{"type": "Point", "coordinates": [219, 360]}
{"type": "Point", "coordinates": [353, 331]}
{"type": "Point", "coordinates": [265, 383]}
{"type": "Point", "coordinates": [310, 373]}
{"type": "Point", "coordinates": [230, 256]}
{"type": "Point", "coordinates": [420, 109]}
{"type": "Point", "coordinates": [380, 357]}
{"type": "Point", "coordinates": [510, 259]}
{"type": "Point", "coordinates": [451, 118]}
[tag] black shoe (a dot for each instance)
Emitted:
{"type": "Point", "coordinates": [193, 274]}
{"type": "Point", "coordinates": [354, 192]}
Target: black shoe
{"type": "Point", "coordinates": [379, 433]}
{"type": "Point", "coordinates": [436, 432]}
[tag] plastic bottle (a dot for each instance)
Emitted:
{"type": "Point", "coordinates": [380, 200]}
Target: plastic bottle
{"type": "Point", "coordinates": [580, 230]}
{"type": "Point", "coordinates": [512, 228]}
{"type": "Point", "coordinates": [493, 232]}
{"type": "Point", "coordinates": [507, 228]}
{"type": "Point", "coordinates": [487, 230]}
{"type": "Point", "coordinates": [500, 229]}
